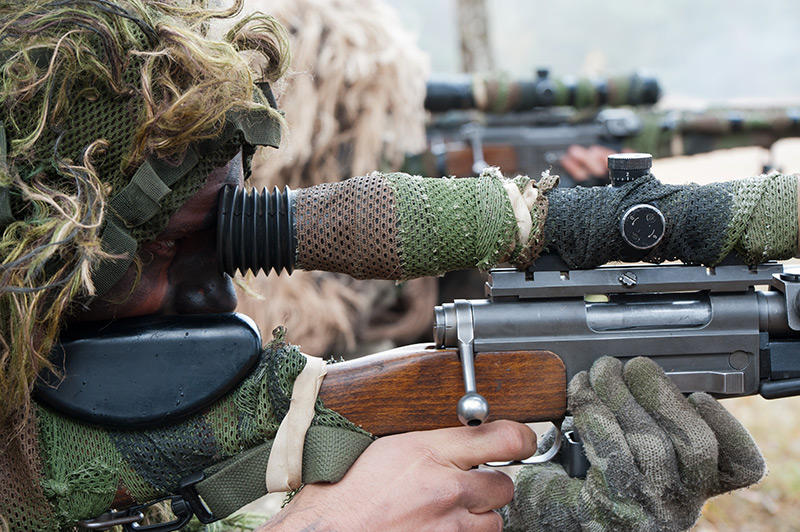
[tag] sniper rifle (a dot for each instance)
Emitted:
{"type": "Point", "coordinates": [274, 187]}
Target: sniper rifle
{"type": "Point", "coordinates": [524, 127]}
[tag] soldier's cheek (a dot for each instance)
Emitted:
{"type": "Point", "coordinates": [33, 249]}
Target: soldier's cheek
{"type": "Point", "coordinates": [196, 284]}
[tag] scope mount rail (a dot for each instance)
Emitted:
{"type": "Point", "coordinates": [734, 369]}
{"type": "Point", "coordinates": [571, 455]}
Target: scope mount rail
{"type": "Point", "coordinates": [552, 283]}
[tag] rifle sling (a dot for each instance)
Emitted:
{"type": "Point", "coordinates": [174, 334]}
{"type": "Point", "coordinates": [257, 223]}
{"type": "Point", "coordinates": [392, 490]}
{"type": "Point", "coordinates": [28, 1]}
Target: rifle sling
{"type": "Point", "coordinates": [327, 455]}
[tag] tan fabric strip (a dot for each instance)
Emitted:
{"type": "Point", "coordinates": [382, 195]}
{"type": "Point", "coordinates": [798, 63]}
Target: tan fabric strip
{"type": "Point", "coordinates": [285, 465]}
{"type": "Point", "coordinates": [521, 204]}
{"type": "Point", "coordinates": [479, 93]}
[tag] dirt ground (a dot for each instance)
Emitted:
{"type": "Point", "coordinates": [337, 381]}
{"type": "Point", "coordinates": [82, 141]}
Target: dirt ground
{"type": "Point", "coordinates": [774, 505]}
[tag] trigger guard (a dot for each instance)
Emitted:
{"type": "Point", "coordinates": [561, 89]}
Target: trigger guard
{"type": "Point", "coordinates": [536, 458]}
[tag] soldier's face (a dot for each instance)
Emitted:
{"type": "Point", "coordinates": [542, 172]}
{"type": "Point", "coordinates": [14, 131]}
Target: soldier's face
{"type": "Point", "coordinates": [179, 272]}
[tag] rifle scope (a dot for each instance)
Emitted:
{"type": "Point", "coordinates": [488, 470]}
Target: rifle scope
{"type": "Point", "coordinates": [502, 95]}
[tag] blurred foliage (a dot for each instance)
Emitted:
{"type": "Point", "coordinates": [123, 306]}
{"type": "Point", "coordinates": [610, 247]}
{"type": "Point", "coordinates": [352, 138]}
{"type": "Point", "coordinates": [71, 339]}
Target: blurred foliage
{"type": "Point", "coordinates": [774, 505]}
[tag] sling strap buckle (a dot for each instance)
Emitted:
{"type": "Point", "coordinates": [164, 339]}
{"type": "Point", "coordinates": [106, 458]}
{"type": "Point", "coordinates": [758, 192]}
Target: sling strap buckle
{"type": "Point", "coordinates": [185, 505]}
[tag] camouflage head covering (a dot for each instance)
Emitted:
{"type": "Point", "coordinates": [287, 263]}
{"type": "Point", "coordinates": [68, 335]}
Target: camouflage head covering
{"type": "Point", "coordinates": [111, 116]}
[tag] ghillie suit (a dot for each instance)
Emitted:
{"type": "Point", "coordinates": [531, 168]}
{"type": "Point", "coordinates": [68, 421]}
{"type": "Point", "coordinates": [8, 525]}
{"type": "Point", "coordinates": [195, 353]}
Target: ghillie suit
{"type": "Point", "coordinates": [111, 116]}
{"type": "Point", "coordinates": [353, 99]}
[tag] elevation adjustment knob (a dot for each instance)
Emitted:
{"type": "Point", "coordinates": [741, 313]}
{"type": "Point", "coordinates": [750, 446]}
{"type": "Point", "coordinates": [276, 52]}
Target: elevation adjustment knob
{"type": "Point", "coordinates": [626, 167]}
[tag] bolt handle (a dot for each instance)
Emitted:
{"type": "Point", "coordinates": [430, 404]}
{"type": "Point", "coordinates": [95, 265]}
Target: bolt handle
{"type": "Point", "coordinates": [473, 408]}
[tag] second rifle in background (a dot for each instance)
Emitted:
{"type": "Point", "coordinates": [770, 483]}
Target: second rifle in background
{"type": "Point", "coordinates": [526, 126]}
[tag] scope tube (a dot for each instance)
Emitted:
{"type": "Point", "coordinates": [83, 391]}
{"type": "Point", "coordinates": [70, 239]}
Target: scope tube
{"type": "Point", "coordinates": [396, 226]}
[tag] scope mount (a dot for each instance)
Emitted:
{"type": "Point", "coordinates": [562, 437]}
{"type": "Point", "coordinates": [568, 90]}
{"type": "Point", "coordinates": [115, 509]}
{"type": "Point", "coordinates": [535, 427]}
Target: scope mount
{"type": "Point", "coordinates": [550, 277]}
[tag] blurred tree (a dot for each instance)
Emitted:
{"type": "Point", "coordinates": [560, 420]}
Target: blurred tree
{"type": "Point", "coordinates": [473, 36]}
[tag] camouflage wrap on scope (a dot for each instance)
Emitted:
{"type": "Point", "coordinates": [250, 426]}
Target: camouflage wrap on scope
{"type": "Point", "coordinates": [655, 457]}
{"type": "Point", "coordinates": [397, 226]}
{"type": "Point", "coordinates": [502, 95]}
{"type": "Point", "coordinates": [85, 467]}
{"type": "Point", "coordinates": [755, 218]}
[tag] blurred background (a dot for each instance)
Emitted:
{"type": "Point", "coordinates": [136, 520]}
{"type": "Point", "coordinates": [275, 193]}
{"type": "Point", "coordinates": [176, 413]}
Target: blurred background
{"type": "Point", "coordinates": [711, 49]}
{"type": "Point", "coordinates": [354, 102]}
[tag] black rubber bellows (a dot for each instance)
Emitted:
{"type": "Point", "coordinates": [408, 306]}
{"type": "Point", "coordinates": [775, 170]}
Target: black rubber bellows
{"type": "Point", "coordinates": [255, 230]}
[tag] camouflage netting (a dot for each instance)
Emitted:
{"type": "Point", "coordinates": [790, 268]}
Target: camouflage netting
{"type": "Point", "coordinates": [83, 467]}
{"type": "Point", "coordinates": [755, 218]}
{"type": "Point", "coordinates": [655, 457]}
{"type": "Point", "coordinates": [397, 226]}
{"type": "Point", "coordinates": [111, 116]}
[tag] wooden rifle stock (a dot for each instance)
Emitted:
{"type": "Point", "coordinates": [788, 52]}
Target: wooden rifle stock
{"type": "Point", "coordinates": [417, 387]}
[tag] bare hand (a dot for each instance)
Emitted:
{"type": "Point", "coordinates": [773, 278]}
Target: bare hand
{"type": "Point", "coordinates": [417, 481]}
{"type": "Point", "coordinates": [585, 163]}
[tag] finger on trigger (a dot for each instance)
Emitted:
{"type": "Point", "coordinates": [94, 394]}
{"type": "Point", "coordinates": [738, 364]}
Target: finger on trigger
{"type": "Point", "coordinates": [498, 441]}
{"type": "Point", "coordinates": [484, 490]}
{"type": "Point", "coordinates": [487, 521]}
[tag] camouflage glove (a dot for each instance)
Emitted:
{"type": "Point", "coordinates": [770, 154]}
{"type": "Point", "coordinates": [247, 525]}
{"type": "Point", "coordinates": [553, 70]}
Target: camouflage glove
{"type": "Point", "coordinates": [656, 456]}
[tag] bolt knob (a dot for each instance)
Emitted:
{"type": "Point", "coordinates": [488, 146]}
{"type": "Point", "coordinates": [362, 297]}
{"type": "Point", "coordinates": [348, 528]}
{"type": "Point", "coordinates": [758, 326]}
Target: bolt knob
{"type": "Point", "coordinates": [626, 167]}
{"type": "Point", "coordinates": [473, 409]}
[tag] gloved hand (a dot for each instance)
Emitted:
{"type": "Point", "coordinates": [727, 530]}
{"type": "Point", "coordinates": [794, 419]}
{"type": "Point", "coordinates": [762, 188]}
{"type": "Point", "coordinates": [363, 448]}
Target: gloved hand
{"type": "Point", "coordinates": [655, 456]}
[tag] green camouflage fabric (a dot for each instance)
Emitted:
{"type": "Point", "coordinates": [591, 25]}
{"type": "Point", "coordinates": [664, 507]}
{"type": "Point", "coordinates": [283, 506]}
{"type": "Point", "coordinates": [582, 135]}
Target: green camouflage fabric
{"type": "Point", "coordinates": [397, 226]}
{"type": "Point", "coordinates": [86, 466]}
{"type": "Point", "coordinates": [673, 133]}
{"type": "Point", "coordinates": [655, 457]}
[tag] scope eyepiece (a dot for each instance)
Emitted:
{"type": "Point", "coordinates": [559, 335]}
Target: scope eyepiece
{"type": "Point", "coordinates": [255, 230]}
